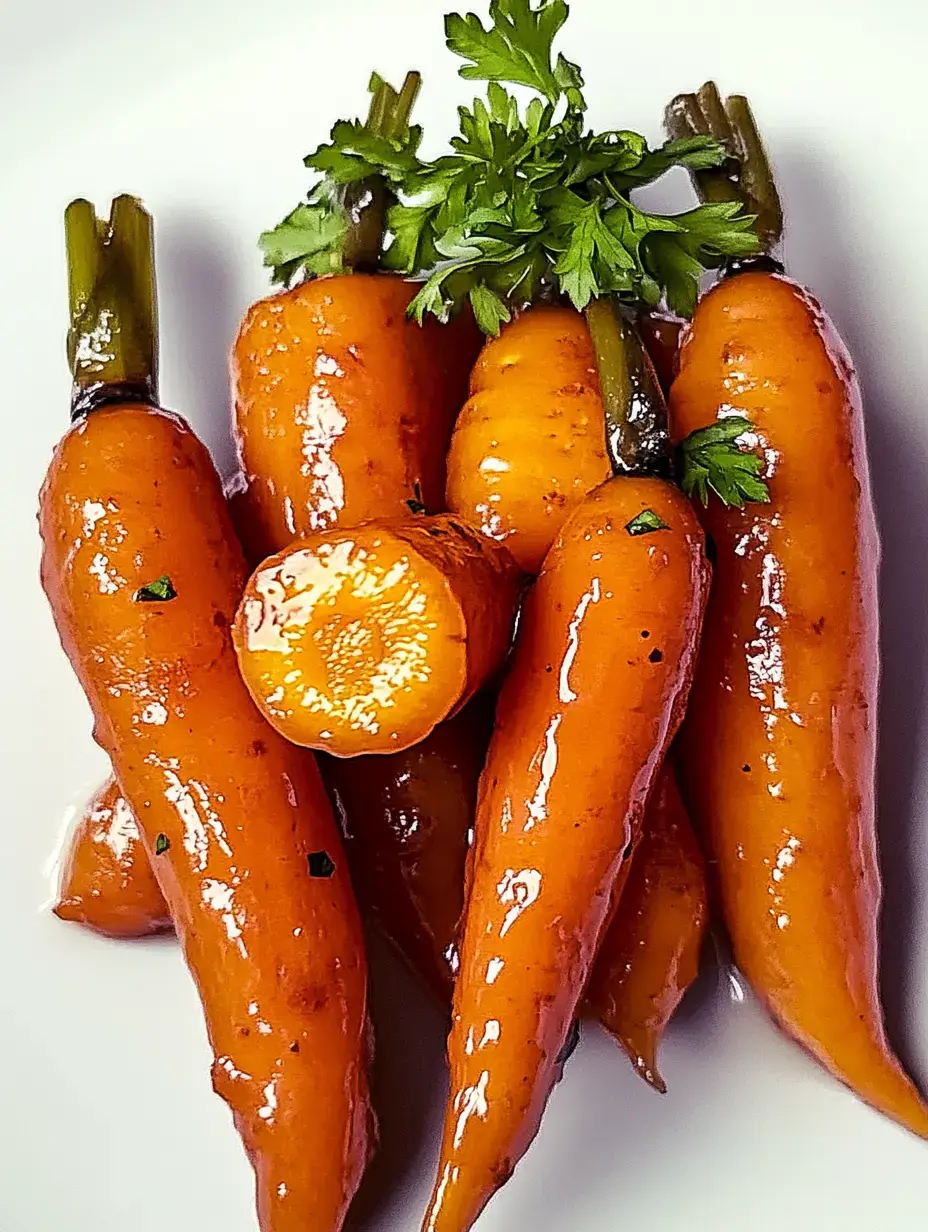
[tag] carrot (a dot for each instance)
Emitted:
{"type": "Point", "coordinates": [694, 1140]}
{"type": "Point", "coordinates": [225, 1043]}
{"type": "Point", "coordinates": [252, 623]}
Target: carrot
{"type": "Point", "coordinates": [779, 747]}
{"type": "Point", "coordinates": [343, 406]}
{"type": "Point", "coordinates": [660, 334]}
{"type": "Point", "coordinates": [143, 573]}
{"type": "Point", "coordinates": [650, 953]}
{"type": "Point", "coordinates": [530, 443]}
{"type": "Point", "coordinates": [362, 641]}
{"type": "Point", "coordinates": [107, 881]}
{"type": "Point", "coordinates": [606, 645]}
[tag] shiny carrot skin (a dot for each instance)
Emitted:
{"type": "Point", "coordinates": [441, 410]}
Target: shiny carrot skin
{"type": "Point", "coordinates": [650, 952]}
{"type": "Point", "coordinates": [343, 406]}
{"type": "Point", "coordinates": [232, 817]}
{"type": "Point", "coordinates": [530, 443]}
{"type": "Point", "coordinates": [107, 881]}
{"type": "Point", "coordinates": [779, 746]}
{"type": "Point", "coordinates": [606, 644]}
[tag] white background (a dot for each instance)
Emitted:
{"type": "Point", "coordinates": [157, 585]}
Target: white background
{"type": "Point", "coordinates": [205, 110]}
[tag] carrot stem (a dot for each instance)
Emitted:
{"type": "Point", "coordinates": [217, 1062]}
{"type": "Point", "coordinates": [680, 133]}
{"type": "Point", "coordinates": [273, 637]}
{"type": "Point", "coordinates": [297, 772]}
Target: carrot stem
{"type": "Point", "coordinates": [113, 335]}
{"type": "Point", "coordinates": [748, 179]}
{"type": "Point", "coordinates": [366, 201]}
{"type": "Point", "coordinates": [637, 436]}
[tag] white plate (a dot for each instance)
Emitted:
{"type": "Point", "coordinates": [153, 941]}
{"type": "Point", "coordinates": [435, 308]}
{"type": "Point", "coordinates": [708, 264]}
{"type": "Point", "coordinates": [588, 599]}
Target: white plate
{"type": "Point", "coordinates": [205, 109]}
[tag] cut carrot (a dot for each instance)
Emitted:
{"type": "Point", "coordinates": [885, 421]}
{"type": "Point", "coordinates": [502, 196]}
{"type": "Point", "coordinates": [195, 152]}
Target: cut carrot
{"type": "Point", "coordinates": [362, 641]}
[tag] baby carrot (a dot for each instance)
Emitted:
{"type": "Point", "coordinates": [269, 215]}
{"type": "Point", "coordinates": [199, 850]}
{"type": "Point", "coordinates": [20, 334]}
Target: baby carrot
{"type": "Point", "coordinates": [107, 881]}
{"type": "Point", "coordinates": [594, 694]}
{"type": "Point", "coordinates": [779, 746]}
{"type": "Point", "coordinates": [363, 640]}
{"type": "Point", "coordinates": [650, 953]}
{"type": "Point", "coordinates": [143, 573]}
{"type": "Point", "coordinates": [530, 443]}
{"type": "Point", "coordinates": [343, 406]}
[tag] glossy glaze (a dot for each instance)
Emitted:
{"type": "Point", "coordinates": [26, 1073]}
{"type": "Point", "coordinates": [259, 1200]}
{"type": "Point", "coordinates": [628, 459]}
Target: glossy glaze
{"type": "Point", "coordinates": [343, 406]}
{"type": "Point", "coordinates": [650, 952]}
{"type": "Point", "coordinates": [661, 336]}
{"type": "Point", "coordinates": [594, 693]}
{"type": "Point", "coordinates": [530, 443]}
{"type": "Point", "coordinates": [408, 819]}
{"type": "Point", "coordinates": [232, 810]}
{"type": "Point", "coordinates": [780, 742]}
{"type": "Point", "coordinates": [107, 882]}
{"type": "Point", "coordinates": [362, 640]}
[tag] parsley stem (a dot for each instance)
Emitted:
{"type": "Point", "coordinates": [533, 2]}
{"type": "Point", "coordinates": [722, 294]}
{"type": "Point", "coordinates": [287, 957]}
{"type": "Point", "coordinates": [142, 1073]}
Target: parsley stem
{"type": "Point", "coordinates": [366, 201]}
{"type": "Point", "coordinates": [637, 437]}
{"type": "Point", "coordinates": [113, 335]}
{"type": "Point", "coordinates": [749, 180]}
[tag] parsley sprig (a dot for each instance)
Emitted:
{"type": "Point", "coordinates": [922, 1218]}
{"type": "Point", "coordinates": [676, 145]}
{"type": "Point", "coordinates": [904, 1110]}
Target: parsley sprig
{"type": "Point", "coordinates": [530, 204]}
{"type": "Point", "coordinates": [340, 225]}
{"type": "Point", "coordinates": [712, 459]}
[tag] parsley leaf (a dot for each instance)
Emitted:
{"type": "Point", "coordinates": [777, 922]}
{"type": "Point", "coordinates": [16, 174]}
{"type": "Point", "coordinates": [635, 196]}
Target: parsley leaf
{"type": "Point", "coordinates": [517, 48]}
{"type": "Point", "coordinates": [645, 522]}
{"type": "Point", "coordinates": [162, 844]}
{"type": "Point", "coordinates": [712, 461]}
{"type": "Point", "coordinates": [160, 591]}
{"type": "Point", "coordinates": [309, 238]}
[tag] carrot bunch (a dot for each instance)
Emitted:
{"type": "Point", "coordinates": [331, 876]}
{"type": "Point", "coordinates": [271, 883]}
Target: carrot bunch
{"type": "Point", "coordinates": [481, 601]}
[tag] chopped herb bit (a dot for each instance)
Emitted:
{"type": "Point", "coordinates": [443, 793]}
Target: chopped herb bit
{"type": "Point", "coordinates": [320, 864]}
{"type": "Point", "coordinates": [162, 843]}
{"type": "Point", "coordinates": [711, 460]}
{"type": "Point", "coordinates": [646, 522]}
{"type": "Point", "coordinates": [159, 591]}
{"type": "Point", "coordinates": [416, 504]}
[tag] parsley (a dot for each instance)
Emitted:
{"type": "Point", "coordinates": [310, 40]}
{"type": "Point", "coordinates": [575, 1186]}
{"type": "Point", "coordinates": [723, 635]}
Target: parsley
{"type": "Point", "coordinates": [646, 522]}
{"type": "Point", "coordinates": [159, 591]}
{"type": "Point", "coordinates": [712, 460]}
{"type": "Point", "coordinates": [162, 843]}
{"type": "Point", "coordinates": [321, 864]}
{"type": "Point", "coordinates": [355, 166]}
{"type": "Point", "coordinates": [517, 48]}
{"type": "Point", "coordinates": [528, 204]}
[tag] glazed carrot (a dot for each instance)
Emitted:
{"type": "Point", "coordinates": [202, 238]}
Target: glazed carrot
{"type": "Point", "coordinates": [606, 645]}
{"type": "Point", "coordinates": [650, 953]}
{"type": "Point", "coordinates": [530, 443]}
{"type": "Point", "coordinates": [107, 882]}
{"type": "Point", "coordinates": [143, 574]}
{"type": "Point", "coordinates": [780, 743]}
{"type": "Point", "coordinates": [363, 640]}
{"type": "Point", "coordinates": [343, 406]}
{"type": "Point", "coordinates": [408, 819]}
{"type": "Point", "coordinates": [661, 334]}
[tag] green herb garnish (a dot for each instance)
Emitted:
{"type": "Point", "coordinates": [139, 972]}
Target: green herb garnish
{"type": "Point", "coordinates": [162, 843]}
{"type": "Point", "coordinates": [159, 591]}
{"type": "Point", "coordinates": [321, 864]}
{"type": "Point", "coordinates": [711, 460]}
{"type": "Point", "coordinates": [646, 522]}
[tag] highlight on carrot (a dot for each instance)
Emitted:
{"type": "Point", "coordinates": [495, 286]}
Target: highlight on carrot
{"type": "Point", "coordinates": [362, 641]}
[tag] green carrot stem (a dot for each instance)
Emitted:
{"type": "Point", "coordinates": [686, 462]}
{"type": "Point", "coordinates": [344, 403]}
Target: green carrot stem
{"type": "Point", "coordinates": [749, 179]}
{"type": "Point", "coordinates": [367, 201]}
{"type": "Point", "coordinates": [113, 335]}
{"type": "Point", "coordinates": [637, 436]}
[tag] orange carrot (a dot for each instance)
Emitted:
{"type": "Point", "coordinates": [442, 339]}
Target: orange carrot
{"type": "Point", "coordinates": [531, 442]}
{"type": "Point", "coordinates": [362, 641]}
{"type": "Point", "coordinates": [107, 881]}
{"type": "Point", "coordinates": [650, 953]}
{"type": "Point", "coordinates": [143, 573]}
{"type": "Point", "coordinates": [595, 691]}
